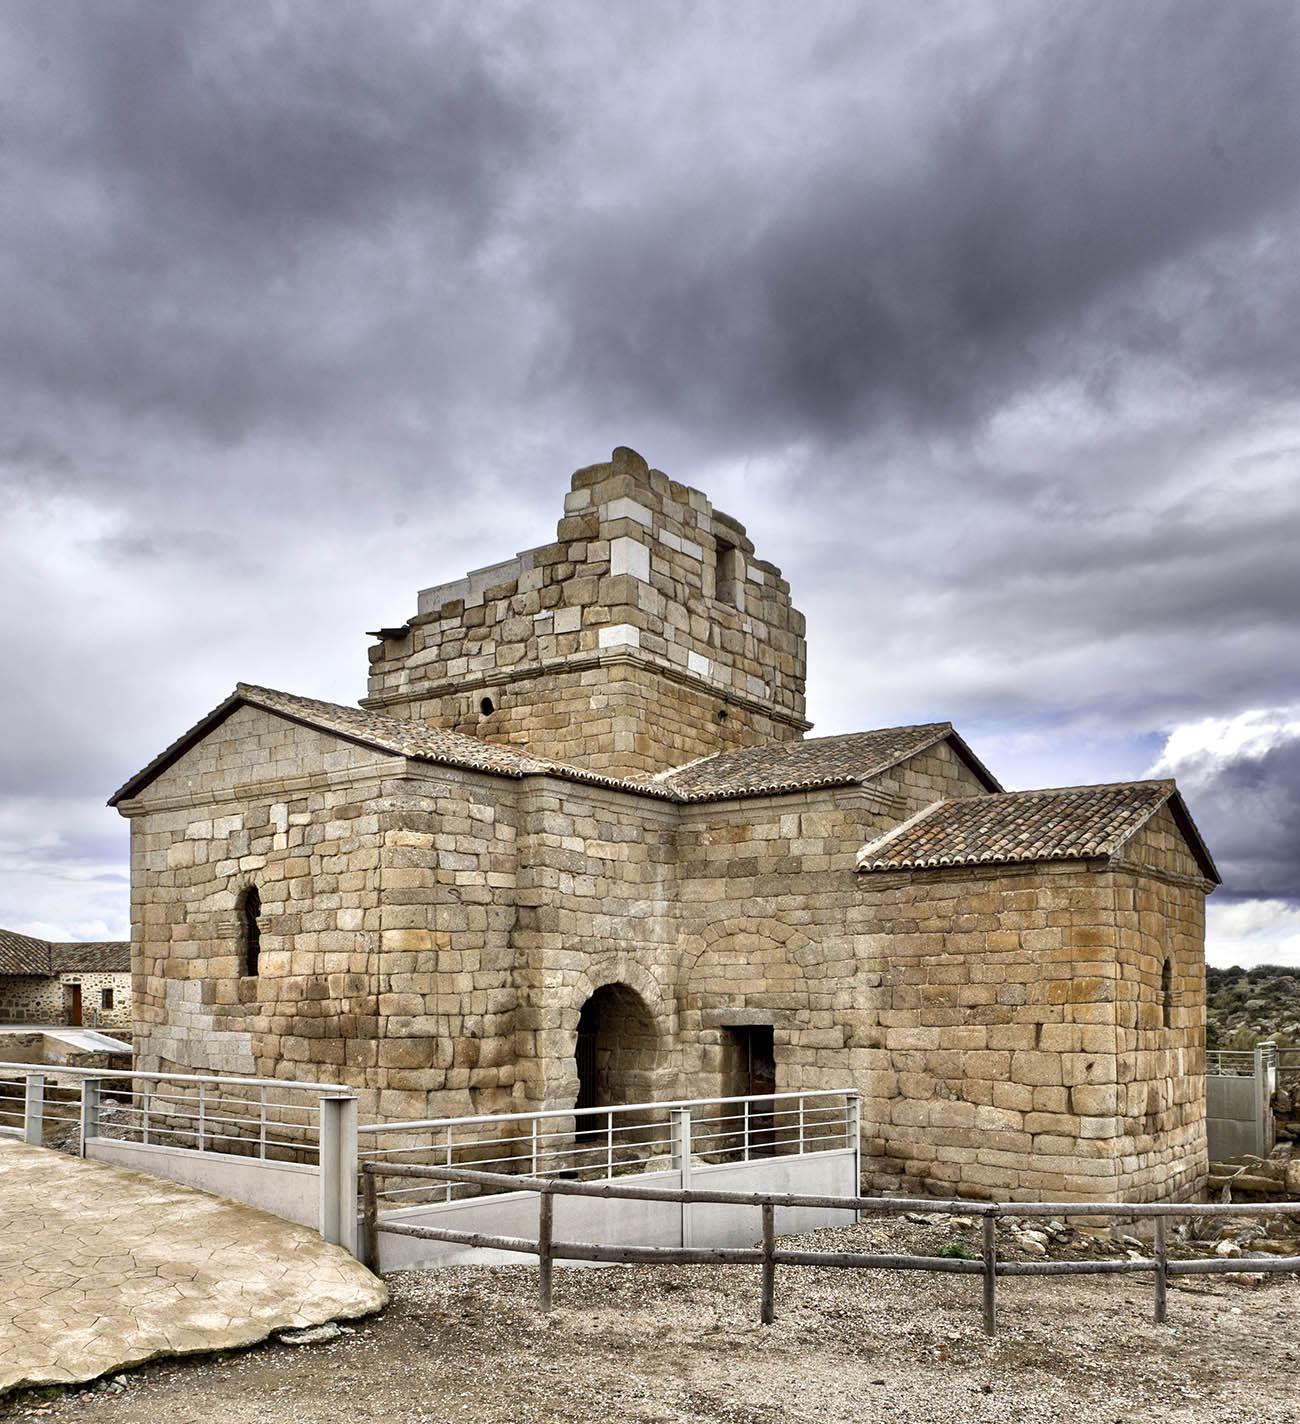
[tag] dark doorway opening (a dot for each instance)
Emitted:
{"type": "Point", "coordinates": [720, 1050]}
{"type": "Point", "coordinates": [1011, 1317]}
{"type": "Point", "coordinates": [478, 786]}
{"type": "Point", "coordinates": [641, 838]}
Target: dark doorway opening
{"type": "Point", "coordinates": [615, 1053]}
{"type": "Point", "coordinates": [750, 1072]}
{"type": "Point", "coordinates": [72, 1004]}
{"type": "Point", "coordinates": [585, 1052]}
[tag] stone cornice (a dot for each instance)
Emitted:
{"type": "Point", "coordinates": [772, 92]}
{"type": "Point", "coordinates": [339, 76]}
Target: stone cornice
{"type": "Point", "coordinates": [1166, 877]}
{"type": "Point", "coordinates": [268, 789]}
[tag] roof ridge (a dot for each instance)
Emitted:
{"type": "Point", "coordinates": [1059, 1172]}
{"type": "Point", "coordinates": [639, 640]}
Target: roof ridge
{"type": "Point", "coordinates": [870, 732]}
{"type": "Point", "coordinates": [1043, 824]}
{"type": "Point", "coordinates": [672, 771]}
{"type": "Point", "coordinates": [1166, 781]}
{"type": "Point", "coordinates": [902, 828]}
{"type": "Point", "coordinates": [777, 767]}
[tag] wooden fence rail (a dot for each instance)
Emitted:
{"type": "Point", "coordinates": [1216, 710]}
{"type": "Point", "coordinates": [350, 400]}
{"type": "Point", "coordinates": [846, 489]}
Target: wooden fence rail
{"type": "Point", "coordinates": [768, 1256]}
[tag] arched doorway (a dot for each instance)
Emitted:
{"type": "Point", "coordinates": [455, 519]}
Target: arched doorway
{"type": "Point", "coordinates": [617, 1048]}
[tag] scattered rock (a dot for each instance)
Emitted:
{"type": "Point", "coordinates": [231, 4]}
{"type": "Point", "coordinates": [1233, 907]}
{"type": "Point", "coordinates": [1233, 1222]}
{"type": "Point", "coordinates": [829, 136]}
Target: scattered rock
{"type": "Point", "coordinates": [312, 1335]}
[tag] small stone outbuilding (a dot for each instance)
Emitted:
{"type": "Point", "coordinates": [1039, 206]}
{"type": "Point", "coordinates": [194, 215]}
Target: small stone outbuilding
{"type": "Point", "coordinates": [68, 983]}
{"type": "Point", "coordinates": [575, 846]}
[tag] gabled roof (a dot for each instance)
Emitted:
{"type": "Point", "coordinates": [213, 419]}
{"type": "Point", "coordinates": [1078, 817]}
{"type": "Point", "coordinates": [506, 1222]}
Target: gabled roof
{"type": "Point", "coordinates": [752, 771]}
{"type": "Point", "coordinates": [91, 957]}
{"type": "Point", "coordinates": [1060, 823]}
{"type": "Point", "coordinates": [816, 762]}
{"type": "Point", "coordinates": [21, 954]}
{"type": "Point", "coordinates": [396, 735]}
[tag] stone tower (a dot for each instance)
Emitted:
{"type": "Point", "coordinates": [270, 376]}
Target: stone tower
{"type": "Point", "coordinates": [648, 634]}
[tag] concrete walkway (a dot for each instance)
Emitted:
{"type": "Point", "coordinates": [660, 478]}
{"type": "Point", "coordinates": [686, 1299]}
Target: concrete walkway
{"type": "Point", "coordinates": [103, 1267]}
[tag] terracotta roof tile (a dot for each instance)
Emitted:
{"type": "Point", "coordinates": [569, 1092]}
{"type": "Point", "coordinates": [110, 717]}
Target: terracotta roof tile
{"type": "Point", "coordinates": [752, 771]}
{"type": "Point", "coordinates": [797, 766]}
{"type": "Point", "coordinates": [91, 957]}
{"type": "Point", "coordinates": [21, 954]}
{"type": "Point", "coordinates": [398, 735]}
{"type": "Point", "coordinates": [1062, 823]}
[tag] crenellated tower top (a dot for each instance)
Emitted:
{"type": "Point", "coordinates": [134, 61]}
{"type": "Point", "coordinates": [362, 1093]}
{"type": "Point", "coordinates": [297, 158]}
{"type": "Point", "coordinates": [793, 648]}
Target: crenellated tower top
{"type": "Point", "coordinates": [648, 634]}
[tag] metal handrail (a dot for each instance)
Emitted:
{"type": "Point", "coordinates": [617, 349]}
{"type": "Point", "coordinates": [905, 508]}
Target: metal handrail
{"type": "Point", "coordinates": [57, 1070]}
{"type": "Point", "coordinates": [604, 1111]}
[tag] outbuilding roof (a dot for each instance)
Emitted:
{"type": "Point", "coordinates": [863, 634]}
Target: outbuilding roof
{"type": "Point", "coordinates": [1059, 823]}
{"type": "Point", "coordinates": [751, 771]}
{"type": "Point", "coordinates": [22, 954]}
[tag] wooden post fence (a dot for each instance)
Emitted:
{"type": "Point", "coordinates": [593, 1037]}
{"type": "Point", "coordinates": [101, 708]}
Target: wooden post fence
{"type": "Point", "coordinates": [1162, 1271]}
{"type": "Point", "coordinates": [369, 1222]}
{"type": "Point", "coordinates": [545, 1260]}
{"type": "Point", "coordinates": [989, 1226]}
{"type": "Point", "coordinates": [768, 1256]}
{"type": "Point", "coordinates": [767, 1312]}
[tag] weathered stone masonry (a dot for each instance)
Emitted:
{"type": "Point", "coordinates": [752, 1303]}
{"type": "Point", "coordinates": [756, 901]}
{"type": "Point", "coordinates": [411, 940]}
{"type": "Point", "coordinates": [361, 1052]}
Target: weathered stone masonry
{"type": "Point", "coordinates": [1013, 980]}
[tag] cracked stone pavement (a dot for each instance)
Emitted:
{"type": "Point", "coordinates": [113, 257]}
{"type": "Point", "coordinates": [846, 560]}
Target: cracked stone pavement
{"type": "Point", "coordinates": [102, 1267]}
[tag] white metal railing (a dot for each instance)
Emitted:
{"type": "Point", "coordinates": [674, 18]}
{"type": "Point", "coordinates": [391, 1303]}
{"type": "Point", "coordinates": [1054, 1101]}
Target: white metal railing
{"type": "Point", "coordinates": [258, 1121]}
{"type": "Point", "coordinates": [267, 1118]}
{"type": "Point", "coordinates": [601, 1143]}
{"type": "Point", "coordinates": [1240, 1062]}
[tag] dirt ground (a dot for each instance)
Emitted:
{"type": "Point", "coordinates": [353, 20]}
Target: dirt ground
{"type": "Point", "coordinates": [654, 1345]}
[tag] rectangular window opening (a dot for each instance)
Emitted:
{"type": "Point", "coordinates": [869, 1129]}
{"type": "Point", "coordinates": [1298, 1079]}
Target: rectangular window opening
{"type": "Point", "coordinates": [728, 576]}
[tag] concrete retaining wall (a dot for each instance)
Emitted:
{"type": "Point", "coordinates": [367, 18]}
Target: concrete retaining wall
{"type": "Point", "coordinates": [285, 1189]}
{"type": "Point", "coordinates": [611, 1222]}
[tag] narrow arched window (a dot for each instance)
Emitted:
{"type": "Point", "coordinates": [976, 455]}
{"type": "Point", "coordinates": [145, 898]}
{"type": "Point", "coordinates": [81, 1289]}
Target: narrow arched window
{"type": "Point", "coordinates": [250, 929]}
{"type": "Point", "coordinates": [1167, 993]}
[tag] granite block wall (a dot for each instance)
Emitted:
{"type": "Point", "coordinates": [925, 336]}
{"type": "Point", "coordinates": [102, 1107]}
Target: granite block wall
{"type": "Point", "coordinates": [430, 936]}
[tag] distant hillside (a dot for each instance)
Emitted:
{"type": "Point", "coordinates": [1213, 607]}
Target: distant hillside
{"type": "Point", "coordinates": [1247, 1005]}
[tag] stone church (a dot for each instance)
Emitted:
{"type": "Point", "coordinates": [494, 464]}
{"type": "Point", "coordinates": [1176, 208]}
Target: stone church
{"type": "Point", "coordinates": [575, 846]}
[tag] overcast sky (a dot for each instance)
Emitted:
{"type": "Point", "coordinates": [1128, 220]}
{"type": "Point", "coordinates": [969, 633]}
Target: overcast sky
{"type": "Point", "coordinates": [984, 318]}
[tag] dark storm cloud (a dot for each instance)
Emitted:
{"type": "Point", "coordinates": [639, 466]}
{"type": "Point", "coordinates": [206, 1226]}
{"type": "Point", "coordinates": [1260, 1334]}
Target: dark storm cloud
{"type": "Point", "coordinates": [982, 316]}
{"type": "Point", "coordinates": [1051, 194]}
{"type": "Point", "coordinates": [1247, 804]}
{"type": "Point", "coordinates": [207, 216]}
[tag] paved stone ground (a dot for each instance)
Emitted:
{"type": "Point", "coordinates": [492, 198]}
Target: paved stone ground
{"type": "Point", "coordinates": [103, 1267]}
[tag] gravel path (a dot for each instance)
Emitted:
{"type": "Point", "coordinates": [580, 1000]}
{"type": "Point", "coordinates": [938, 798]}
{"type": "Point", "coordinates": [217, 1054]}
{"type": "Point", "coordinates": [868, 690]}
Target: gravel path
{"type": "Point", "coordinates": [675, 1344]}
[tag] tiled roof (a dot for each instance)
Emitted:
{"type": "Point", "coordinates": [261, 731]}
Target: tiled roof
{"type": "Point", "coordinates": [21, 954]}
{"type": "Point", "coordinates": [1063, 823]}
{"type": "Point", "coordinates": [816, 762]}
{"type": "Point", "coordinates": [87, 957]}
{"type": "Point", "coordinates": [753, 771]}
{"type": "Point", "coordinates": [397, 735]}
